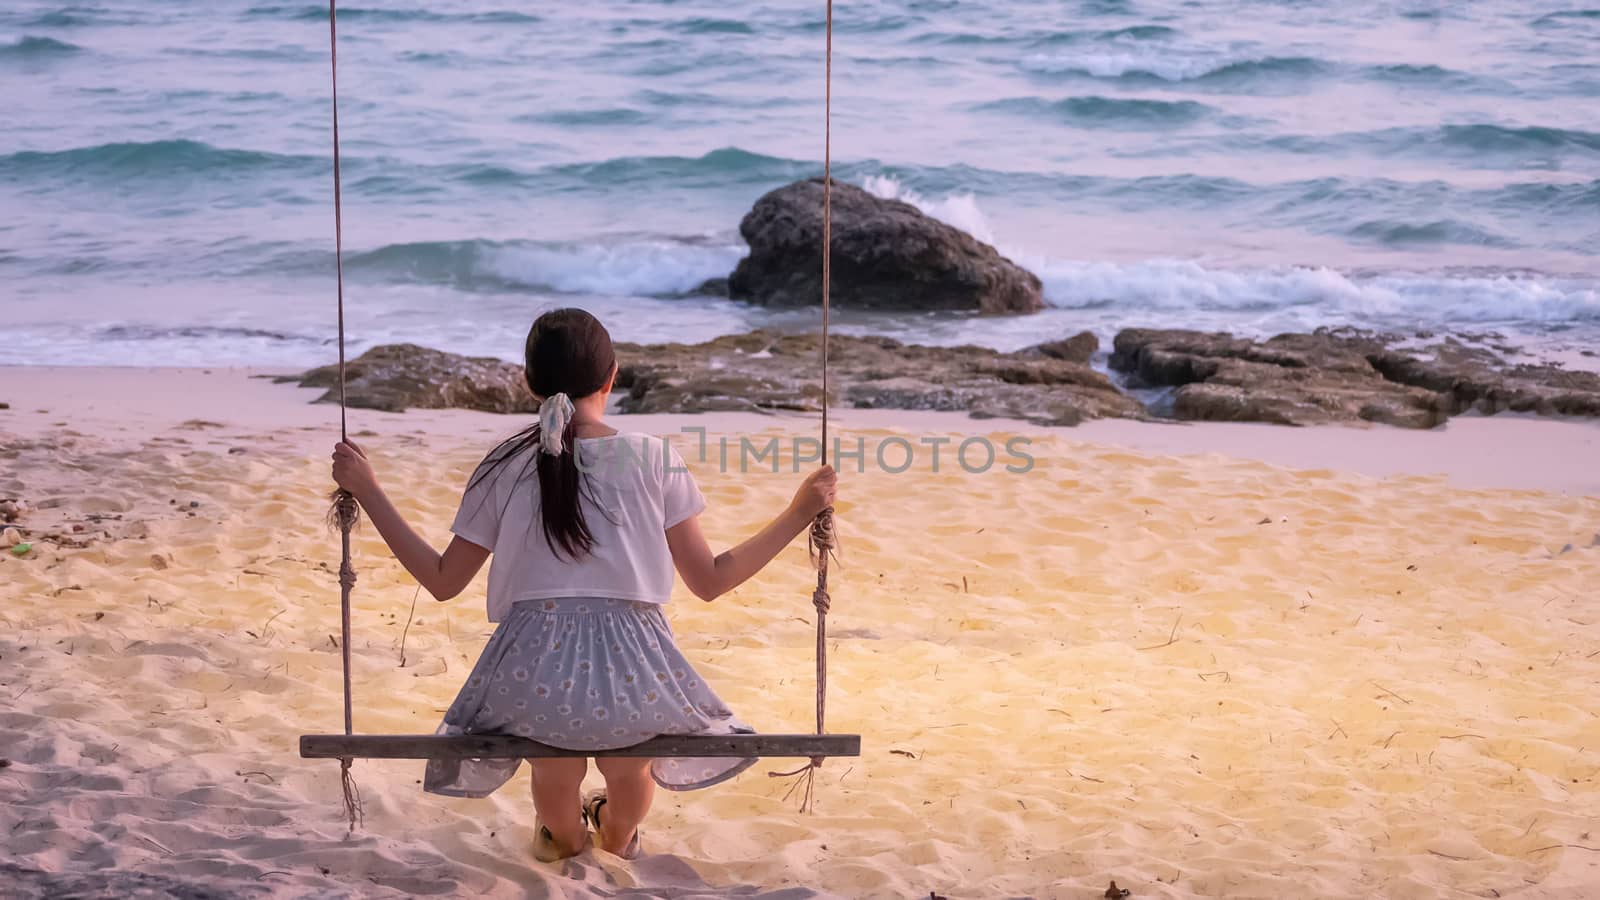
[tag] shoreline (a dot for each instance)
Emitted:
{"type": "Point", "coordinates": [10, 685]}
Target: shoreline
{"type": "Point", "coordinates": [1502, 452]}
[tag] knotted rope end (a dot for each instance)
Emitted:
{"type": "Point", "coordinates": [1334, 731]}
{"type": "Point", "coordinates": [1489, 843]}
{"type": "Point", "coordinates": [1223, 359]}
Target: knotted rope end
{"type": "Point", "coordinates": [353, 807]}
{"type": "Point", "coordinates": [805, 779]}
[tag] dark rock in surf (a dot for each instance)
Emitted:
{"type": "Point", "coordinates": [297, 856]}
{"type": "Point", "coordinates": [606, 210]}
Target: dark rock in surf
{"type": "Point", "coordinates": [711, 287]}
{"type": "Point", "coordinates": [886, 255]}
{"type": "Point", "coordinates": [397, 377]}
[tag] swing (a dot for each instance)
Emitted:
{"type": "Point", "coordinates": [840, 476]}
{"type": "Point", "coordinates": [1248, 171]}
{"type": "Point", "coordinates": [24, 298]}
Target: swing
{"type": "Point", "coordinates": [350, 746]}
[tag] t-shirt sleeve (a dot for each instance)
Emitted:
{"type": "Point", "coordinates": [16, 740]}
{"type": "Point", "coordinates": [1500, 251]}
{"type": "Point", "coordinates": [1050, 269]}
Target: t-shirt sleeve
{"type": "Point", "coordinates": [680, 496]}
{"type": "Point", "coordinates": [478, 519]}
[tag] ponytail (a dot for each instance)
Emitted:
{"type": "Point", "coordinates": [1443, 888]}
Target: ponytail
{"type": "Point", "coordinates": [560, 481]}
{"type": "Point", "coordinates": [569, 356]}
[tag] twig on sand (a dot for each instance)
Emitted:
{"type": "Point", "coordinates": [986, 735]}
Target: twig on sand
{"type": "Point", "coordinates": [1391, 693]}
{"type": "Point", "coordinates": [273, 619]}
{"type": "Point", "coordinates": [407, 630]}
{"type": "Point", "coordinates": [1207, 676]}
{"type": "Point", "coordinates": [155, 845]}
{"type": "Point", "coordinates": [1448, 856]}
{"type": "Point", "coordinates": [1337, 730]}
{"type": "Point", "coordinates": [1391, 739]}
{"type": "Point", "coordinates": [1572, 846]}
{"type": "Point", "coordinates": [1171, 639]}
{"type": "Point", "coordinates": [273, 872]}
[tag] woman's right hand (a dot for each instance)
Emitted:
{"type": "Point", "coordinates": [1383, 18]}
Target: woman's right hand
{"type": "Point", "coordinates": [816, 493]}
{"type": "Point", "coordinates": [352, 471]}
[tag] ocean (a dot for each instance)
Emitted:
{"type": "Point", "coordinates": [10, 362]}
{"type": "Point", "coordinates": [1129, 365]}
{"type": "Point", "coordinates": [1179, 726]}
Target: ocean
{"type": "Point", "coordinates": [166, 178]}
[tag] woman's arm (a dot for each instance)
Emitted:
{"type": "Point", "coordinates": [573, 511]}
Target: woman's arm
{"type": "Point", "coordinates": [709, 577]}
{"type": "Point", "coordinates": [444, 575]}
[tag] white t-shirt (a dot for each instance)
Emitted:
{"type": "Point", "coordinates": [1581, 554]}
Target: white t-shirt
{"type": "Point", "coordinates": [635, 487]}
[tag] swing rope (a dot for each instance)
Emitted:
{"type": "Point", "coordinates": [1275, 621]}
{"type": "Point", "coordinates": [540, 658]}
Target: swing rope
{"type": "Point", "coordinates": [344, 510]}
{"type": "Point", "coordinates": [821, 539]}
{"type": "Point", "coordinates": [822, 543]}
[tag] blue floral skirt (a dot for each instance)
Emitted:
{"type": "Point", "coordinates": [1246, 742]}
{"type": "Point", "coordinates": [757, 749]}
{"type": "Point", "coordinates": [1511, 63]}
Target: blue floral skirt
{"type": "Point", "coordinates": [584, 674]}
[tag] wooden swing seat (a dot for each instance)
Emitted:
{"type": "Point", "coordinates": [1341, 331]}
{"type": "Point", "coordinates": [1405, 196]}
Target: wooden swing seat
{"type": "Point", "coordinates": [493, 746]}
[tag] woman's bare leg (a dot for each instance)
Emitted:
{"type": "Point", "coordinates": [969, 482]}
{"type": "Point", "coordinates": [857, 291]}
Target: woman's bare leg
{"type": "Point", "coordinates": [629, 791]}
{"type": "Point", "coordinates": [555, 798]}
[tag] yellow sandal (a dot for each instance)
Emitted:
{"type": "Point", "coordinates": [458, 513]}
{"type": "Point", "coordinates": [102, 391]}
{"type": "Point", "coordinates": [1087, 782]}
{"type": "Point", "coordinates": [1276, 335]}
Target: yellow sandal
{"type": "Point", "coordinates": [591, 811]}
{"type": "Point", "coordinates": [545, 848]}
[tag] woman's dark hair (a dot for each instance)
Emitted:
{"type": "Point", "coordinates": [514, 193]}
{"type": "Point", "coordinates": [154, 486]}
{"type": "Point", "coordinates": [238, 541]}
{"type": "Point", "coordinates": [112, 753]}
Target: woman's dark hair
{"type": "Point", "coordinates": [568, 352]}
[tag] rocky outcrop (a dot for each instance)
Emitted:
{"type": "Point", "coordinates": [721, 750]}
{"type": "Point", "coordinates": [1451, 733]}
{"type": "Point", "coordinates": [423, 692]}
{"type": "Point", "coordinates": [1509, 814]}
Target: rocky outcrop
{"type": "Point", "coordinates": [1338, 375]}
{"type": "Point", "coordinates": [1080, 348]}
{"type": "Point", "coordinates": [766, 370]}
{"type": "Point", "coordinates": [886, 255]}
{"type": "Point", "coordinates": [1478, 380]}
{"type": "Point", "coordinates": [758, 371]}
{"type": "Point", "coordinates": [1292, 379]}
{"type": "Point", "coordinates": [397, 377]}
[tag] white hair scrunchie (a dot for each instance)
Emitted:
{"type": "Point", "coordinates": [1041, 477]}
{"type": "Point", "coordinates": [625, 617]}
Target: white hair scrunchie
{"type": "Point", "coordinates": [554, 414]}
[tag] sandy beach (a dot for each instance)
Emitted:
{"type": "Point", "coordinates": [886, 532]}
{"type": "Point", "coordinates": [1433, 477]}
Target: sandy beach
{"type": "Point", "coordinates": [1200, 660]}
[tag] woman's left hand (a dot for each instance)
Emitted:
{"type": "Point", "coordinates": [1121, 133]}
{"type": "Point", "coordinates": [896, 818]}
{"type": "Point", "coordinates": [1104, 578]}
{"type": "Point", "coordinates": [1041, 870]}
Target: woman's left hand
{"type": "Point", "coordinates": [353, 471]}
